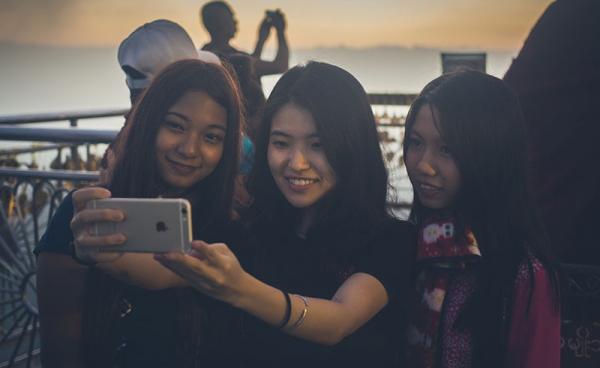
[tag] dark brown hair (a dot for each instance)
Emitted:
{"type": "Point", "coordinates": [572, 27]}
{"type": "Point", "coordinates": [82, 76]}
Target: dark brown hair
{"type": "Point", "coordinates": [354, 208]}
{"type": "Point", "coordinates": [136, 175]}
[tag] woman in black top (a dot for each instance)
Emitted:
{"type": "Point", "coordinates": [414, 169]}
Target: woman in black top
{"type": "Point", "coordinates": [328, 275]}
{"type": "Point", "coordinates": [182, 140]}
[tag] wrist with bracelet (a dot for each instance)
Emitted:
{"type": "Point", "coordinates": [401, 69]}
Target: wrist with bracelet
{"type": "Point", "coordinates": [302, 317]}
{"type": "Point", "coordinates": [288, 312]}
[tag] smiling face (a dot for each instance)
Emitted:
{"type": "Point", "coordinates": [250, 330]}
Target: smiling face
{"type": "Point", "coordinates": [296, 158]}
{"type": "Point", "coordinates": [189, 143]}
{"type": "Point", "coordinates": [429, 163]}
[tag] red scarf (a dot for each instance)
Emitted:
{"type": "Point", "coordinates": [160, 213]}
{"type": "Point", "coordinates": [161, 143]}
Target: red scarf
{"type": "Point", "coordinates": [440, 250]}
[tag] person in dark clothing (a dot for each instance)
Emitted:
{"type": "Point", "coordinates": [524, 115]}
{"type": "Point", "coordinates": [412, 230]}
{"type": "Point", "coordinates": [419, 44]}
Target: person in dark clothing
{"type": "Point", "coordinates": [182, 140]}
{"type": "Point", "coordinates": [487, 289]}
{"type": "Point", "coordinates": [253, 96]}
{"type": "Point", "coordinates": [142, 55]}
{"type": "Point", "coordinates": [557, 79]}
{"type": "Point", "coordinates": [219, 20]}
{"type": "Point", "coordinates": [327, 275]}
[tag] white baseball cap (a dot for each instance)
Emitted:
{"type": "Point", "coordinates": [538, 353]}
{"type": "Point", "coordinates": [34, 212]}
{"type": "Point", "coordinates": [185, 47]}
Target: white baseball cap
{"type": "Point", "coordinates": [150, 48]}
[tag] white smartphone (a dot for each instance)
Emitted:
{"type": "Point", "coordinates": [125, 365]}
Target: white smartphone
{"type": "Point", "coordinates": [151, 225]}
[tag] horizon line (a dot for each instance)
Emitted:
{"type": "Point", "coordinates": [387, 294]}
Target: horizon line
{"type": "Point", "coordinates": [303, 48]}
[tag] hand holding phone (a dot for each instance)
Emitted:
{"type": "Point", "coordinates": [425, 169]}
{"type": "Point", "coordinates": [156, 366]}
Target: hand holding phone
{"type": "Point", "coordinates": [85, 246]}
{"type": "Point", "coordinates": [277, 19]}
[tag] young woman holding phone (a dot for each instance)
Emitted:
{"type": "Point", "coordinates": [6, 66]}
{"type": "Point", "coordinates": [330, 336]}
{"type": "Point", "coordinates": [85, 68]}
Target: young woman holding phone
{"type": "Point", "coordinates": [182, 140]}
{"type": "Point", "coordinates": [328, 272]}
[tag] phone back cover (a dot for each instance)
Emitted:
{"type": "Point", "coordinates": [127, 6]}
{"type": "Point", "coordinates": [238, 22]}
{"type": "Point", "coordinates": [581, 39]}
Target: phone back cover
{"type": "Point", "coordinates": [150, 226]}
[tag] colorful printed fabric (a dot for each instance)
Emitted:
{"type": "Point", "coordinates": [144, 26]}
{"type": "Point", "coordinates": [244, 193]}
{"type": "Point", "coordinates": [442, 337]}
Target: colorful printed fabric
{"type": "Point", "coordinates": [440, 251]}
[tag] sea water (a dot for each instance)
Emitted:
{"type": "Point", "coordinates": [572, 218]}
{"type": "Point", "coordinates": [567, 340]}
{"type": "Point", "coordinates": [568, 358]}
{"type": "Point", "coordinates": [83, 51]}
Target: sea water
{"type": "Point", "coordinates": [37, 79]}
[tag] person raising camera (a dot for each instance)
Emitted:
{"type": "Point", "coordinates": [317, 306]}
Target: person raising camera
{"type": "Point", "coordinates": [219, 20]}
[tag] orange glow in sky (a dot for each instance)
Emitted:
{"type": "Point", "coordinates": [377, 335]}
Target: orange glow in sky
{"type": "Point", "coordinates": [311, 23]}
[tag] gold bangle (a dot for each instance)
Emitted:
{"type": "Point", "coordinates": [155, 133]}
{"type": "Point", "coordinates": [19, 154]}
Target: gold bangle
{"type": "Point", "coordinates": [302, 317]}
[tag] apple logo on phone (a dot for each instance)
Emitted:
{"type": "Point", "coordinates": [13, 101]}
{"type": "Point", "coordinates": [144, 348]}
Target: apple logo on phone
{"type": "Point", "coordinates": [161, 226]}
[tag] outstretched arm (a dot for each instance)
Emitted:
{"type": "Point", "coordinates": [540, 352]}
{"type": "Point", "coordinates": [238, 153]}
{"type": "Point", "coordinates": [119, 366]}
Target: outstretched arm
{"type": "Point", "coordinates": [143, 271]}
{"type": "Point", "coordinates": [214, 270]}
{"type": "Point", "coordinates": [326, 321]}
{"type": "Point", "coordinates": [281, 62]}
{"type": "Point", "coordinates": [263, 33]}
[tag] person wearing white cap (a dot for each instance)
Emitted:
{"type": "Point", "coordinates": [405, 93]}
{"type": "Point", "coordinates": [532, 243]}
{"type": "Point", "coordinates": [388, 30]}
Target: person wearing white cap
{"type": "Point", "coordinates": [143, 54]}
{"type": "Point", "coordinates": [219, 20]}
{"type": "Point", "coordinates": [153, 46]}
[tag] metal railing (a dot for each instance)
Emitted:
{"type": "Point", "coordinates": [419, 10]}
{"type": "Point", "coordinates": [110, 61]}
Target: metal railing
{"type": "Point", "coordinates": [65, 135]}
{"type": "Point", "coordinates": [73, 116]}
{"type": "Point", "coordinates": [46, 147]}
{"type": "Point", "coordinates": [68, 175]}
{"type": "Point", "coordinates": [28, 199]}
{"type": "Point", "coordinates": [391, 99]}
{"type": "Point", "coordinates": [31, 196]}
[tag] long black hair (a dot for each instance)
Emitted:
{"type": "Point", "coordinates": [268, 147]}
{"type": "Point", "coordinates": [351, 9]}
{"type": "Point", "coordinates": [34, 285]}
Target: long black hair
{"type": "Point", "coordinates": [480, 120]}
{"type": "Point", "coordinates": [136, 175]}
{"type": "Point", "coordinates": [346, 127]}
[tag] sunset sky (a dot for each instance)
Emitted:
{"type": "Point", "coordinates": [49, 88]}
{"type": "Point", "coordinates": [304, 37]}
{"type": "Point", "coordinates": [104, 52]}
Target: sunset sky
{"type": "Point", "coordinates": [486, 24]}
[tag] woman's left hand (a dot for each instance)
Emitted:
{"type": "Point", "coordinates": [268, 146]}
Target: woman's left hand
{"type": "Point", "coordinates": [213, 269]}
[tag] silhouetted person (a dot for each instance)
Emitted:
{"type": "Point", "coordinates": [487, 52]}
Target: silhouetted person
{"type": "Point", "coordinates": [253, 96]}
{"type": "Point", "coordinates": [557, 78]}
{"type": "Point", "coordinates": [142, 55]}
{"type": "Point", "coordinates": [219, 20]}
{"type": "Point", "coordinates": [150, 48]}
